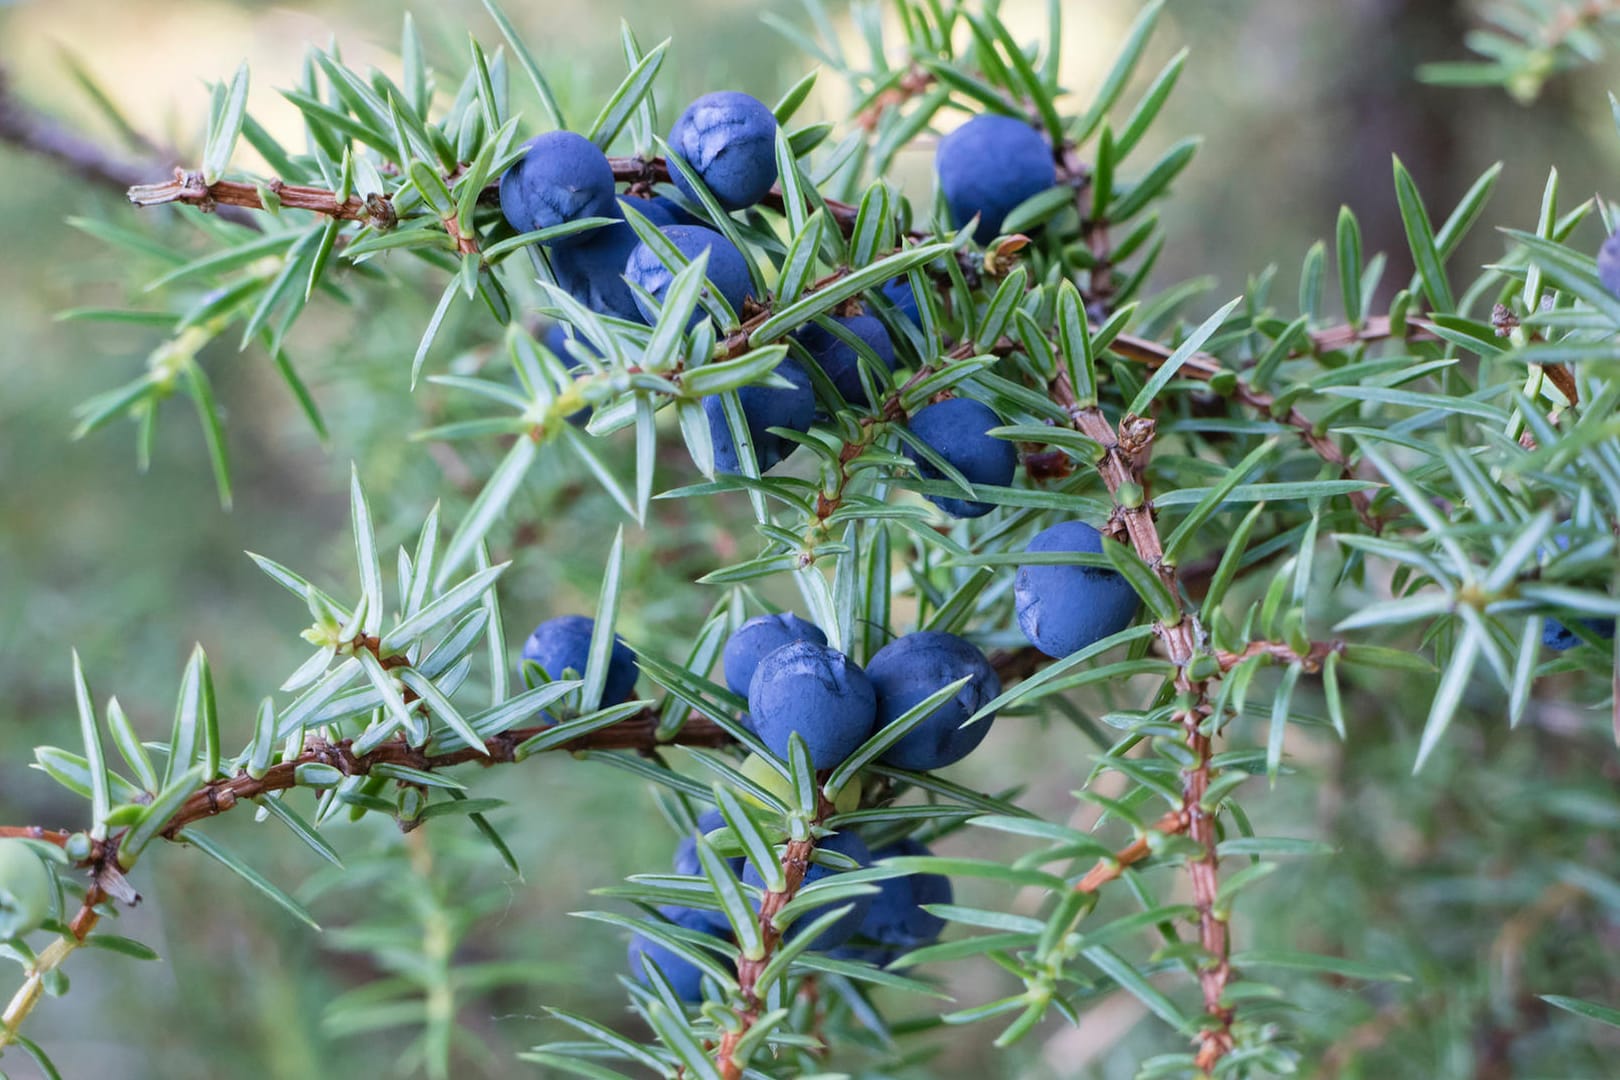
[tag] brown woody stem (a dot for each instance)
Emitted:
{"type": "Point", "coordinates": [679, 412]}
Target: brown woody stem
{"type": "Point", "coordinates": [796, 856]}
{"type": "Point", "coordinates": [377, 210]}
{"type": "Point", "coordinates": [1124, 461]}
{"type": "Point", "coordinates": [1110, 869]}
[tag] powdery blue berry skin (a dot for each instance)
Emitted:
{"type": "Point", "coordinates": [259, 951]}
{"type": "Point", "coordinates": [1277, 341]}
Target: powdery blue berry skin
{"type": "Point", "coordinates": [1062, 609]}
{"type": "Point", "coordinates": [562, 177]}
{"type": "Point", "coordinates": [728, 269]}
{"type": "Point", "coordinates": [901, 295]}
{"type": "Point", "coordinates": [592, 271]}
{"type": "Point", "coordinates": [906, 671]}
{"type": "Point", "coordinates": [844, 843]}
{"type": "Point", "coordinates": [1608, 263]}
{"type": "Point", "coordinates": [729, 139]}
{"type": "Point", "coordinates": [765, 407]}
{"type": "Point", "coordinates": [685, 977]}
{"type": "Point", "coordinates": [688, 864]}
{"type": "Point", "coordinates": [988, 166]}
{"type": "Point", "coordinates": [758, 636]}
{"type": "Point", "coordinates": [676, 213]}
{"type": "Point", "coordinates": [556, 341]}
{"type": "Point", "coordinates": [819, 693]}
{"type": "Point", "coordinates": [1558, 637]}
{"type": "Point", "coordinates": [839, 359]}
{"type": "Point", "coordinates": [895, 924]}
{"type": "Point", "coordinates": [955, 429]}
{"type": "Point", "coordinates": [659, 211]}
{"type": "Point", "coordinates": [565, 642]}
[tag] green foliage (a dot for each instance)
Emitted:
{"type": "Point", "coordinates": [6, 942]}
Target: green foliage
{"type": "Point", "coordinates": [1430, 478]}
{"type": "Point", "coordinates": [1524, 43]}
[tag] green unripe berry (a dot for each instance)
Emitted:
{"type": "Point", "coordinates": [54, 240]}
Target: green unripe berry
{"type": "Point", "coordinates": [762, 773]}
{"type": "Point", "coordinates": [25, 890]}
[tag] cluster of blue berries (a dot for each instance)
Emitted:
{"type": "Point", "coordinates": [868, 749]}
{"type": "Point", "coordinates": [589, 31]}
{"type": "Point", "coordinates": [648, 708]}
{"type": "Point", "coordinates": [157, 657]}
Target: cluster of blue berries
{"type": "Point", "coordinates": [796, 684]}
{"type": "Point", "coordinates": [728, 141]}
{"type": "Point", "coordinates": [793, 681]}
{"type": "Point", "coordinates": [878, 928]}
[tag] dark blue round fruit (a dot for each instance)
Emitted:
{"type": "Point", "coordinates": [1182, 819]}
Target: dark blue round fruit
{"type": "Point", "coordinates": [758, 636]}
{"type": "Point", "coordinates": [988, 166]}
{"type": "Point", "coordinates": [906, 671]}
{"type": "Point", "coordinates": [556, 341]}
{"type": "Point", "coordinates": [688, 864]}
{"type": "Point", "coordinates": [657, 210]}
{"type": "Point", "coordinates": [1608, 263]}
{"type": "Point", "coordinates": [728, 269]}
{"type": "Point", "coordinates": [818, 692]}
{"type": "Point", "coordinates": [1062, 609]}
{"type": "Point", "coordinates": [729, 139]}
{"type": "Point", "coordinates": [1555, 634]}
{"type": "Point", "coordinates": [561, 177]}
{"type": "Point", "coordinates": [564, 644]}
{"type": "Point", "coordinates": [1559, 637]}
{"type": "Point", "coordinates": [955, 430]}
{"type": "Point", "coordinates": [683, 975]}
{"type": "Point", "coordinates": [844, 843]}
{"type": "Point", "coordinates": [896, 923]}
{"type": "Point", "coordinates": [764, 407]}
{"type": "Point", "coordinates": [592, 271]}
{"type": "Point", "coordinates": [686, 856]}
{"type": "Point", "coordinates": [902, 296]}
{"type": "Point", "coordinates": [677, 214]}
{"type": "Point", "coordinates": [840, 361]}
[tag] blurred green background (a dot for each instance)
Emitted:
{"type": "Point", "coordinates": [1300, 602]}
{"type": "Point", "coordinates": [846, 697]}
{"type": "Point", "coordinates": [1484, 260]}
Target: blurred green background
{"type": "Point", "coordinates": [1300, 105]}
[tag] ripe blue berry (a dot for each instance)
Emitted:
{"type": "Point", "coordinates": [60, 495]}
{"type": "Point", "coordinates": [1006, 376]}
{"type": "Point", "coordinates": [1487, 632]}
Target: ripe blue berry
{"type": "Point", "coordinates": [25, 890]}
{"type": "Point", "coordinates": [819, 693]}
{"type": "Point", "coordinates": [676, 213]}
{"type": "Point", "coordinates": [562, 177]}
{"type": "Point", "coordinates": [686, 856]}
{"type": "Point", "coordinates": [758, 636]}
{"type": "Point", "coordinates": [988, 166]}
{"type": "Point", "coordinates": [1062, 609]}
{"type": "Point", "coordinates": [896, 923]}
{"type": "Point", "coordinates": [906, 671]}
{"type": "Point", "coordinates": [844, 843]}
{"type": "Point", "coordinates": [1558, 637]}
{"type": "Point", "coordinates": [765, 407]}
{"type": "Point", "coordinates": [655, 210]}
{"type": "Point", "coordinates": [556, 341]}
{"type": "Point", "coordinates": [1608, 263]}
{"type": "Point", "coordinates": [955, 430]}
{"type": "Point", "coordinates": [839, 359]}
{"type": "Point", "coordinates": [593, 271]}
{"type": "Point", "coordinates": [729, 140]}
{"type": "Point", "coordinates": [901, 295]}
{"type": "Point", "coordinates": [564, 644]}
{"type": "Point", "coordinates": [688, 864]}
{"type": "Point", "coordinates": [683, 975]}
{"type": "Point", "coordinates": [1555, 634]}
{"type": "Point", "coordinates": [728, 269]}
